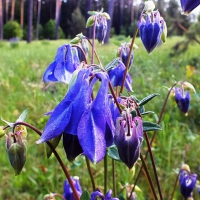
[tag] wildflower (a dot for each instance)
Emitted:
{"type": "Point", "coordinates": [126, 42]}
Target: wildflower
{"type": "Point", "coordinates": [128, 138]}
{"type": "Point", "coordinates": [68, 193]}
{"type": "Point", "coordinates": [187, 183]}
{"type": "Point", "coordinates": [188, 6]}
{"type": "Point", "coordinates": [124, 52]}
{"type": "Point", "coordinates": [182, 99]}
{"type": "Point", "coordinates": [77, 114]}
{"type": "Point", "coordinates": [151, 27]}
{"type": "Point", "coordinates": [63, 66]}
{"type": "Point", "coordinates": [116, 75]}
{"type": "Point", "coordinates": [16, 150]}
{"type": "Point", "coordinates": [101, 29]}
{"type": "Point", "coordinates": [98, 193]}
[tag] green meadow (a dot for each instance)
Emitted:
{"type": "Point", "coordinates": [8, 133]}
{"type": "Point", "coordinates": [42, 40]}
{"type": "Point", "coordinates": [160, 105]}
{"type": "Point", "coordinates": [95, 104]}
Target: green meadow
{"type": "Point", "coordinates": [21, 87]}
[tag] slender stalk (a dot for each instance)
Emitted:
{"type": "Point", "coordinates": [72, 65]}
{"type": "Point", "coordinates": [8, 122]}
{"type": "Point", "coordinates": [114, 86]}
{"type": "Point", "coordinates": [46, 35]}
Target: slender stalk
{"type": "Point", "coordinates": [154, 165]}
{"type": "Point", "coordinates": [175, 184]}
{"type": "Point", "coordinates": [85, 59]}
{"type": "Point", "coordinates": [56, 155]}
{"type": "Point", "coordinates": [105, 174]}
{"type": "Point", "coordinates": [154, 134]}
{"type": "Point", "coordinates": [93, 39]}
{"type": "Point", "coordinates": [90, 173]}
{"type": "Point", "coordinates": [148, 176]}
{"type": "Point", "coordinates": [128, 61]}
{"type": "Point", "coordinates": [113, 176]}
{"type": "Point", "coordinates": [94, 51]}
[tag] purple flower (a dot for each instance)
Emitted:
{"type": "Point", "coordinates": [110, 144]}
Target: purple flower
{"type": "Point", "coordinates": [128, 138]}
{"type": "Point", "coordinates": [124, 52]}
{"type": "Point", "coordinates": [90, 121]}
{"type": "Point", "coordinates": [182, 99]}
{"type": "Point", "coordinates": [116, 75]}
{"type": "Point", "coordinates": [101, 29]}
{"type": "Point", "coordinates": [68, 193]}
{"type": "Point", "coordinates": [151, 27]}
{"type": "Point", "coordinates": [187, 183]}
{"type": "Point", "coordinates": [188, 5]}
{"type": "Point", "coordinates": [63, 66]}
{"type": "Point", "coordinates": [108, 195]}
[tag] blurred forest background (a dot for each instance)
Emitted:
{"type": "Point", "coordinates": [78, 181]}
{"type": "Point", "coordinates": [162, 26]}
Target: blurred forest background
{"type": "Point", "coordinates": [56, 19]}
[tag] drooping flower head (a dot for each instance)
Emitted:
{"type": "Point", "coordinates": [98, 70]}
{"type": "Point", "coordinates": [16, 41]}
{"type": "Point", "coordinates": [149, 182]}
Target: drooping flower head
{"type": "Point", "coordinates": [128, 138]}
{"type": "Point", "coordinates": [187, 183]}
{"type": "Point", "coordinates": [124, 52]}
{"type": "Point", "coordinates": [98, 193]}
{"type": "Point", "coordinates": [188, 5]}
{"type": "Point", "coordinates": [116, 74]}
{"type": "Point", "coordinates": [68, 193]}
{"type": "Point", "coordinates": [151, 26]}
{"type": "Point", "coordinates": [182, 99]}
{"type": "Point", "coordinates": [101, 29]}
{"type": "Point", "coordinates": [63, 66]}
{"type": "Point", "coordinates": [88, 120]}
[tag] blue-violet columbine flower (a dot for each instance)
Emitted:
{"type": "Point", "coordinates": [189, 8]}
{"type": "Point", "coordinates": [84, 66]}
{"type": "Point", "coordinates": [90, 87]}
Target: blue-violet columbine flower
{"type": "Point", "coordinates": [77, 114]}
{"type": "Point", "coordinates": [68, 193]}
{"type": "Point", "coordinates": [116, 75]}
{"type": "Point", "coordinates": [187, 183]}
{"type": "Point", "coordinates": [151, 27]}
{"type": "Point", "coordinates": [124, 52]}
{"type": "Point", "coordinates": [188, 5]}
{"type": "Point", "coordinates": [63, 66]}
{"type": "Point", "coordinates": [182, 99]}
{"type": "Point", "coordinates": [128, 138]}
{"type": "Point", "coordinates": [101, 29]}
{"type": "Point", "coordinates": [98, 193]}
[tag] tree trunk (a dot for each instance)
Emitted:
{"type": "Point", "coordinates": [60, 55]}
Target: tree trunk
{"type": "Point", "coordinates": [1, 20]}
{"type": "Point", "coordinates": [57, 17]}
{"type": "Point", "coordinates": [6, 10]}
{"type": "Point", "coordinates": [30, 20]}
{"type": "Point", "coordinates": [110, 12]}
{"type": "Point", "coordinates": [38, 19]}
{"type": "Point", "coordinates": [22, 14]}
{"type": "Point", "coordinates": [13, 10]}
{"type": "Point", "coordinates": [161, 5]}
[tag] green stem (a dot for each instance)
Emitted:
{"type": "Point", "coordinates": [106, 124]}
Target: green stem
{"type": "Point", "coordinates": [93, 39]}
{"type": "Point", "coordinates": [113, 176]}
{"type": "Point", "coordinates": [128, 61]}
{"type": "Point", "coordinates": [153, 137]}
{"type": "Point", "coordinates": [57, 157]}
{"type": "Point", "coordinates": [105, 174]}
{"type": "Point", "coordinates": [148, 176]}
{"type": "Point", "coordinates": [175, 184]}
{"type": "Point", "coordinates": [154, 165]}
{"type": "Point", "coordinates": [90, 173]}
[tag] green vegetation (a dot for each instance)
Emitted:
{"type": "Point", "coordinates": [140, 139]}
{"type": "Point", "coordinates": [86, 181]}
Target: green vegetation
{"type": "Point", "coordinates": [22, 87]}
{"type": "Point", "coordinates": [12, 29]}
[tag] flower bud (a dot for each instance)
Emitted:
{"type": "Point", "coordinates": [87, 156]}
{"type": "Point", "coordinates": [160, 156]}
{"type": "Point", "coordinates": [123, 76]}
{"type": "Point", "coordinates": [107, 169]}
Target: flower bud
{"type": "Point", "coordinates": [90, 21]}
{"type": "Point", "coordinates": [101, 29]}
{"type": "Point", "coordinates": [49, 197]}
{"type": "Point", "coordinates": [16, 150]}
{"type": "Point", "coordinates": [128, 138]}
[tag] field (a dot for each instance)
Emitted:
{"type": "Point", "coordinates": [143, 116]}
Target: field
{"type": "Point", "coordinates": [21, 87]}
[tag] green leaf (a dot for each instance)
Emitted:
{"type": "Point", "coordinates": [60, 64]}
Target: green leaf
{"type": "Point", "coordinates": [147, 112]}
{"type": "Point", "coordinates": [147, 99]}
{"type": "Point", "coordinates": [22, 117]}
{"type": "Point", "coordinates": [85, 195]}
{"type": "Point", "coordinates": [113, 153]}
{"type": "Point", "coordinates": [150, 126]}
{"type": "Point", "coordinates": [117, 43]}
{"type": "Point", "coordinates": [112, 64]}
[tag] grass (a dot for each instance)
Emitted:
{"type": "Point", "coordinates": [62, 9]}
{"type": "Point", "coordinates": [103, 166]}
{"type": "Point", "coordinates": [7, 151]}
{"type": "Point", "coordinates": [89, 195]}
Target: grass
{"type": "Point", "coordinates": [21, 87]}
